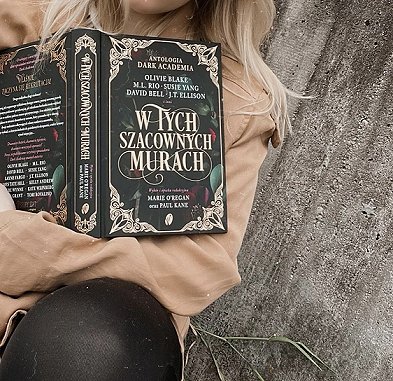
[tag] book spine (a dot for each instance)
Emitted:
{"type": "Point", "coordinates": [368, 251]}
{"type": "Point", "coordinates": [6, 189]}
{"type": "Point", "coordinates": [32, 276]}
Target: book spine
{"type": "Point", "coordinates": [85, 121]}
{"type": "Point", "coordinates": [68, 136]}
{"type": "Point", "coordinates": [106, 205]}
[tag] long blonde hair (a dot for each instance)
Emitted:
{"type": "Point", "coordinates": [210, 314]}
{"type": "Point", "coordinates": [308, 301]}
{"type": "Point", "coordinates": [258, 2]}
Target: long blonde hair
{"type": "Point", "coordinates": [241, 27]}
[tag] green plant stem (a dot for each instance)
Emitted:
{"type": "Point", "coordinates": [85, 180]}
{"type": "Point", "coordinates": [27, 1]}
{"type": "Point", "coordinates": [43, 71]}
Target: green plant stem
{"type": "Point", "coordinates": [201, 330]}
{"type": "Point", "coordinates": [220, 375]}
{"type": "Point", "coordinates": [302, 348]}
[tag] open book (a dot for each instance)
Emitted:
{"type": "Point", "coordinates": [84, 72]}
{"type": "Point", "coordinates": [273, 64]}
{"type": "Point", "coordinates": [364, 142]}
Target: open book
{"type": "Point", "coordinates": [115, 135]}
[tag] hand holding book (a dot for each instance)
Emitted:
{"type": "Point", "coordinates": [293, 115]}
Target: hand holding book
{"type": "Point", "coordinates": [6, 202]}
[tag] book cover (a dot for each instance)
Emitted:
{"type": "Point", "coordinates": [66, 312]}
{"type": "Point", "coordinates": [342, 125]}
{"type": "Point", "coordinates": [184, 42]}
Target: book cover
{"type": "Point", "coordinates": [33, 138]}
{"type": "Point", "coordinates": [136, 131]}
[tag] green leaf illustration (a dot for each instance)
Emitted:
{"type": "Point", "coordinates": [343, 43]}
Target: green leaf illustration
{"type": "Point", "coordinates": [216, 177]}
{"type": "Point", "coordinates": [58, 181]}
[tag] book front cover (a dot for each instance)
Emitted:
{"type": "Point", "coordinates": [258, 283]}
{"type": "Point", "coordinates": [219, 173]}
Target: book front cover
{"type": "Point", "coordinates": [164, 161]}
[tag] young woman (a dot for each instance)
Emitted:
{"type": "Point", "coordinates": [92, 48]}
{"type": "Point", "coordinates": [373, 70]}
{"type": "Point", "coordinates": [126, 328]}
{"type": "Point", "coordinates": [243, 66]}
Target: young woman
{"type": "Point", "coordinates": [119, 306]}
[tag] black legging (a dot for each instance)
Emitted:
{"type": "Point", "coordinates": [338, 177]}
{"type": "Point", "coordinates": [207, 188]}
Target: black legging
{"type": "Point", "coordinates": [98, 330]}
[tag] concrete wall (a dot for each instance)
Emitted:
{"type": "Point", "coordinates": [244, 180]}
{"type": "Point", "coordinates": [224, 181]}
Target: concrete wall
{"type": "Point", "coordinates": [317, 261]}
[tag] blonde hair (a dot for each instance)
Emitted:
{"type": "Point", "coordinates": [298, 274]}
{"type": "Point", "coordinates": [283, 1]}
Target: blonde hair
{"type": "Point", "coordinates": [241, 27]}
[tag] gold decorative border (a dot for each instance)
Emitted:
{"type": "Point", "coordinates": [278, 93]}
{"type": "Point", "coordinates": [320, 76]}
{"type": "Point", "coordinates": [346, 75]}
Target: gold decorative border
{"type": "Point", "coordinates": [123, 219]}
{"type": "Point", "coordinates": [85, 42]}
{"type": "Point", "coordinates": [123, 50]}
{"type": "Point", "coordinates": [212, 216]}
{"type": "Point", "coordinates": [206, 56]}
{"type": "Point", "coordinates": [85, 226]}
{"type": "Point", "coordinates": [57, 53]}
{"type": "Point", "coordinates": [61, 213]}
{"type": "Point", "coordinates": [5, 58]}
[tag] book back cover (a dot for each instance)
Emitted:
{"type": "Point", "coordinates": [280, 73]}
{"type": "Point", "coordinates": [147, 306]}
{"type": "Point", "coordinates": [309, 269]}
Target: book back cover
{"type": "Point", "coordinates": [33, 138]}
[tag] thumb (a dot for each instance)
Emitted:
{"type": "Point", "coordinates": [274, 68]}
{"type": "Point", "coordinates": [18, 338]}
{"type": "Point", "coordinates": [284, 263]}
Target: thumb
{"type": "Point", "coordinates": [6, 202]}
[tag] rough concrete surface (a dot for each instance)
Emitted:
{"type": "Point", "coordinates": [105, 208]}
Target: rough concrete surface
{"type": "Point", "coordinates": [317, 260]}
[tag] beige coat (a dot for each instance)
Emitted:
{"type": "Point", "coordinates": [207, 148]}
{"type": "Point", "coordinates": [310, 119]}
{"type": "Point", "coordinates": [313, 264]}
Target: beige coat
{"type": "Point", "coordinates": [185, 273]}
